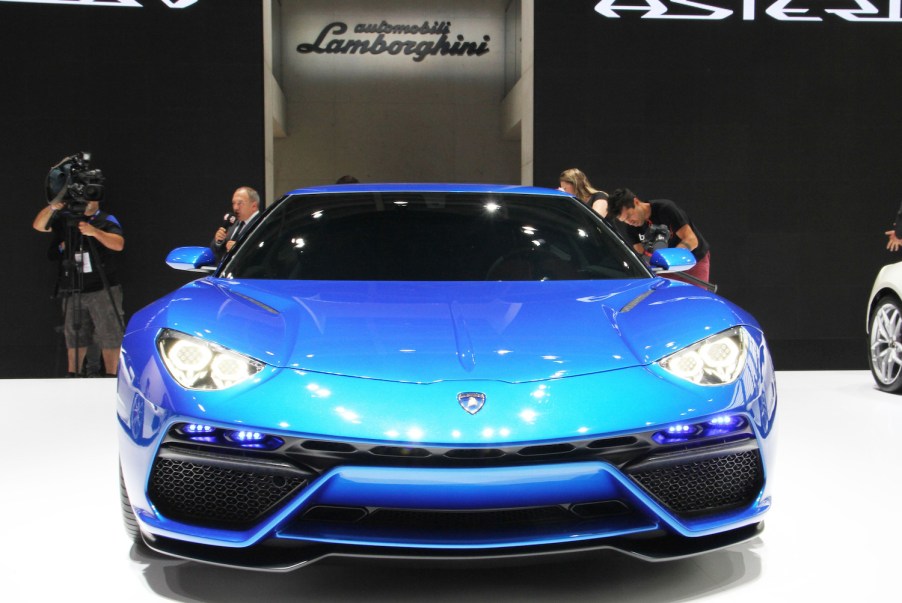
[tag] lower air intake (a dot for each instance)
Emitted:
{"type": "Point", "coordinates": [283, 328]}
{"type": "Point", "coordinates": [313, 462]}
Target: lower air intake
{"type": "Point", "coordinates": [704, 484]}
{"type": "Point", "coordinates": [214, 491]}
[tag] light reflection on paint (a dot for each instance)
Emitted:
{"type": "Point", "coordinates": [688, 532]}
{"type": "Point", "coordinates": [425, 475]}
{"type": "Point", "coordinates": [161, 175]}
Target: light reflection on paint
{"type": "Point", "coordinates": [318, 392]}
{"type": "Point", "coordinates": [348, 415]}
{"type": "Point", "coordinates": [529, 415]}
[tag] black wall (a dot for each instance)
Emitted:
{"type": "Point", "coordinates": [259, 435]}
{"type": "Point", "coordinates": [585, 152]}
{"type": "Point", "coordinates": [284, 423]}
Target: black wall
{"type": "Point", "coordinates": [168, 101]}
{"type": "Point", "coordinates": [781, 139]}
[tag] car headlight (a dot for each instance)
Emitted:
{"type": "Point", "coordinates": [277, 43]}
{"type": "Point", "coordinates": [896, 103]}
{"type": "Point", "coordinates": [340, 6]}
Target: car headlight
{"type": "Point", "coordinates": [717, 360]}
{"type": "Point", "coordinates": [199, 364]}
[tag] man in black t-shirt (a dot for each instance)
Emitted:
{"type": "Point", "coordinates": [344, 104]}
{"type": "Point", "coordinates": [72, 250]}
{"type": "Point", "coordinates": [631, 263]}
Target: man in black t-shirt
{"type": "Point", "coordinates": [85, 245]}
{"type": "Point", "coordinates": [642, 216]}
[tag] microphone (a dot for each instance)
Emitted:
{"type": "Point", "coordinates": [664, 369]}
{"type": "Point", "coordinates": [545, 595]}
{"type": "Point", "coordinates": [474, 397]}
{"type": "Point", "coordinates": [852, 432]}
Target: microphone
{"type": "Point", "coordinates": [228, 220]}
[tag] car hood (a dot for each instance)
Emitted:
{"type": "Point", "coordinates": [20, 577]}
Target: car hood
{"type": "Point", "coordinates": [446, 331]}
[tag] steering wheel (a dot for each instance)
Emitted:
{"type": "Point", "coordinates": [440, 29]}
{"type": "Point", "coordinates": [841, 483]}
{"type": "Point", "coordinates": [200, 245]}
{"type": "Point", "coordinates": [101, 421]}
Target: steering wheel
{"type": "Point", "coordinates": [531, 256]}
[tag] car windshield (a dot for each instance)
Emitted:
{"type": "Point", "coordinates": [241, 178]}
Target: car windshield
{"type": "Point", "coordinates": [408, 236]}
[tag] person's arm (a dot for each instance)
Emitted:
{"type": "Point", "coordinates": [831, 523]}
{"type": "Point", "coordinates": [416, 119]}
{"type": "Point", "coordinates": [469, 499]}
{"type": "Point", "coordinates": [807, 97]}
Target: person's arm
{"type": "Point", "coordinates": [110, 240]}
{"type": "Point", "coordinates": [42, 220]}
{"type": "Point", "coordinates": [601, 207]}
{"type": "Point", "coordinates": [678, 222]}
{"type": "Point", "coordinates": [687, 238]}
{"type": "Point", "coordinates": [895, 235]}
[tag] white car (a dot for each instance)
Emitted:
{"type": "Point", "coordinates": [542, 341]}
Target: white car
{"type": "Point", "coordinates": [884, 328]}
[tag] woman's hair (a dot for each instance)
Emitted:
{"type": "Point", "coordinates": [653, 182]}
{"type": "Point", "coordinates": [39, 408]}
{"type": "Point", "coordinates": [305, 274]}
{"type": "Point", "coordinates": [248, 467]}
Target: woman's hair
{"type": "Point", "coordinates": [581, 184]}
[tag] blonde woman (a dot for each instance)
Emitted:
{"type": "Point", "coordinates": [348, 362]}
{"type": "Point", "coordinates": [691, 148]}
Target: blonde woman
{"type": "Point", "coordinates": [576, 183]}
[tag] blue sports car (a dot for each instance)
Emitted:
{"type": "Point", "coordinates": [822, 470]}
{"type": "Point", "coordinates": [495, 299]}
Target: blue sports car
{"type": "Point", "coordinates": [440, 371]}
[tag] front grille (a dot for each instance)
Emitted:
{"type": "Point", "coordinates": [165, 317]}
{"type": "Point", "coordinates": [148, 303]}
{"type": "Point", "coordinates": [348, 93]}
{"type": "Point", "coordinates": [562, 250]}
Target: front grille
{"type": "Point", "coordinates": [703, 484]}
{"type": "Point", "coordinates": [466, 520]}
{"type": "Point", "coordinates": [218, 491]}
{"type": "Point", "coordinates": [456, 522]}
{"type": "Point", "coordinates": [215, 484]}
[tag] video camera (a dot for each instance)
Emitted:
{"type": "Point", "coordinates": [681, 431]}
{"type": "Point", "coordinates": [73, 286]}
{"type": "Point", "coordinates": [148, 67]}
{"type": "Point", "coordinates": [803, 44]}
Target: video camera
{"type": "Point", "coordinates": [74, 183]}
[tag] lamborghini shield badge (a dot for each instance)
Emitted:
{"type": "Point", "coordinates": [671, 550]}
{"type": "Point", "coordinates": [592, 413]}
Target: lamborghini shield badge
{"type": "Point", "coordinates": [472, 402]}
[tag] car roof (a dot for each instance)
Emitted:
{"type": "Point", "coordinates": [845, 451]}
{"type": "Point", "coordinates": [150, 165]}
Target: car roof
{"type": "Point", "coordinates": [426, 187]}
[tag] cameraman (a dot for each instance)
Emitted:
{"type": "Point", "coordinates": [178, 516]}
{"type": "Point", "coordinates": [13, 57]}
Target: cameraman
{"type": "Point", "coordinates": [645, 218]}
{"type": "Point", "coordinates": [87, 280]}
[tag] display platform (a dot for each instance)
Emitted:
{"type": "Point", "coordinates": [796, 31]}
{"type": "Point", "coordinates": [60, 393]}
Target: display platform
{"type": "Point", "coordinates": [831, 533]}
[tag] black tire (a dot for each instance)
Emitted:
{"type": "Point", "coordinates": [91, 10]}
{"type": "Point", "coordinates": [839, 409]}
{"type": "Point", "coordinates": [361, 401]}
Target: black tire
{"type": "Point", "coordinates": [885, 344]}
{"type": "Point", "coordinates": [128, 514]}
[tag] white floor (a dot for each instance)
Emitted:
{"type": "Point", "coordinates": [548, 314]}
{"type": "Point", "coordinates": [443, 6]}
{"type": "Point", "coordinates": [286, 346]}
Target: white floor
{"type": "Point", "coordinates": [833, 531]}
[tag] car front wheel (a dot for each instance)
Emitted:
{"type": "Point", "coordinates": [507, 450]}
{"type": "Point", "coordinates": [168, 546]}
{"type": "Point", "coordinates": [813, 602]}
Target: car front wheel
{"type": "Point", "coordinates": [885, 357]}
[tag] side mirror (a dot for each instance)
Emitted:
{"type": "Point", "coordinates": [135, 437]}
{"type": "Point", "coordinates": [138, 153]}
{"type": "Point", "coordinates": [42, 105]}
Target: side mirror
{"type": "Point", "coordinates": [193, 259]}
{"type": "Point", "coordinates": [671, 259]}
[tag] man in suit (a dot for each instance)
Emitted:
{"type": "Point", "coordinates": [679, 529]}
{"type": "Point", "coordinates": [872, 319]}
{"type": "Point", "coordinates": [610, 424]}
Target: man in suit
{"type": "Point", "coordinates": [895, 235]}
{"type": "Point", "coordinates": [246, 207]}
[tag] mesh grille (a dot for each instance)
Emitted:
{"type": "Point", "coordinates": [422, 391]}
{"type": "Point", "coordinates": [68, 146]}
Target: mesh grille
{"type": "Point", "coordinates": [705, 485]}
{"type": "Point", "coordinates": [214, 495]}
{"type": "Point", "coordinates": [456, 522]}
{"type": "Point", "coordinates": [472, 520]}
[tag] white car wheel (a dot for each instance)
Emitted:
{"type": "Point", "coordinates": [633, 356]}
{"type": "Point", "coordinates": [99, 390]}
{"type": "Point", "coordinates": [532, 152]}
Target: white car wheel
{"type": "Point", "coordinates": [886, 344]}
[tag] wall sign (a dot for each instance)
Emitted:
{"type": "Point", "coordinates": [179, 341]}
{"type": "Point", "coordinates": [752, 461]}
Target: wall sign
{"type": "Point", "coordinates": [129, 3]}
{"type": "Point", "coordinates": [873, 11]}
{"type": "Point", "coordinates": [412, 44]}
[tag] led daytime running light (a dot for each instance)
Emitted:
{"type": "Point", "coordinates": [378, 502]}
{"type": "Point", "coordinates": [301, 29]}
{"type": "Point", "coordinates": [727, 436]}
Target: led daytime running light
{"type": "Point", "coordinates": [247, 436]}
{"type": "Point", "coordinates": [682, 433]}
{"type": "Point", "coordinates": [208, 434]}
{"type": "Point", "coordinates": [198, 429]}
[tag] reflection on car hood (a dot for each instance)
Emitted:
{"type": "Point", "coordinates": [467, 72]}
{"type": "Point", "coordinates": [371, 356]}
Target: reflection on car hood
{"type": "Point", "coordinates": [438, 331]}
